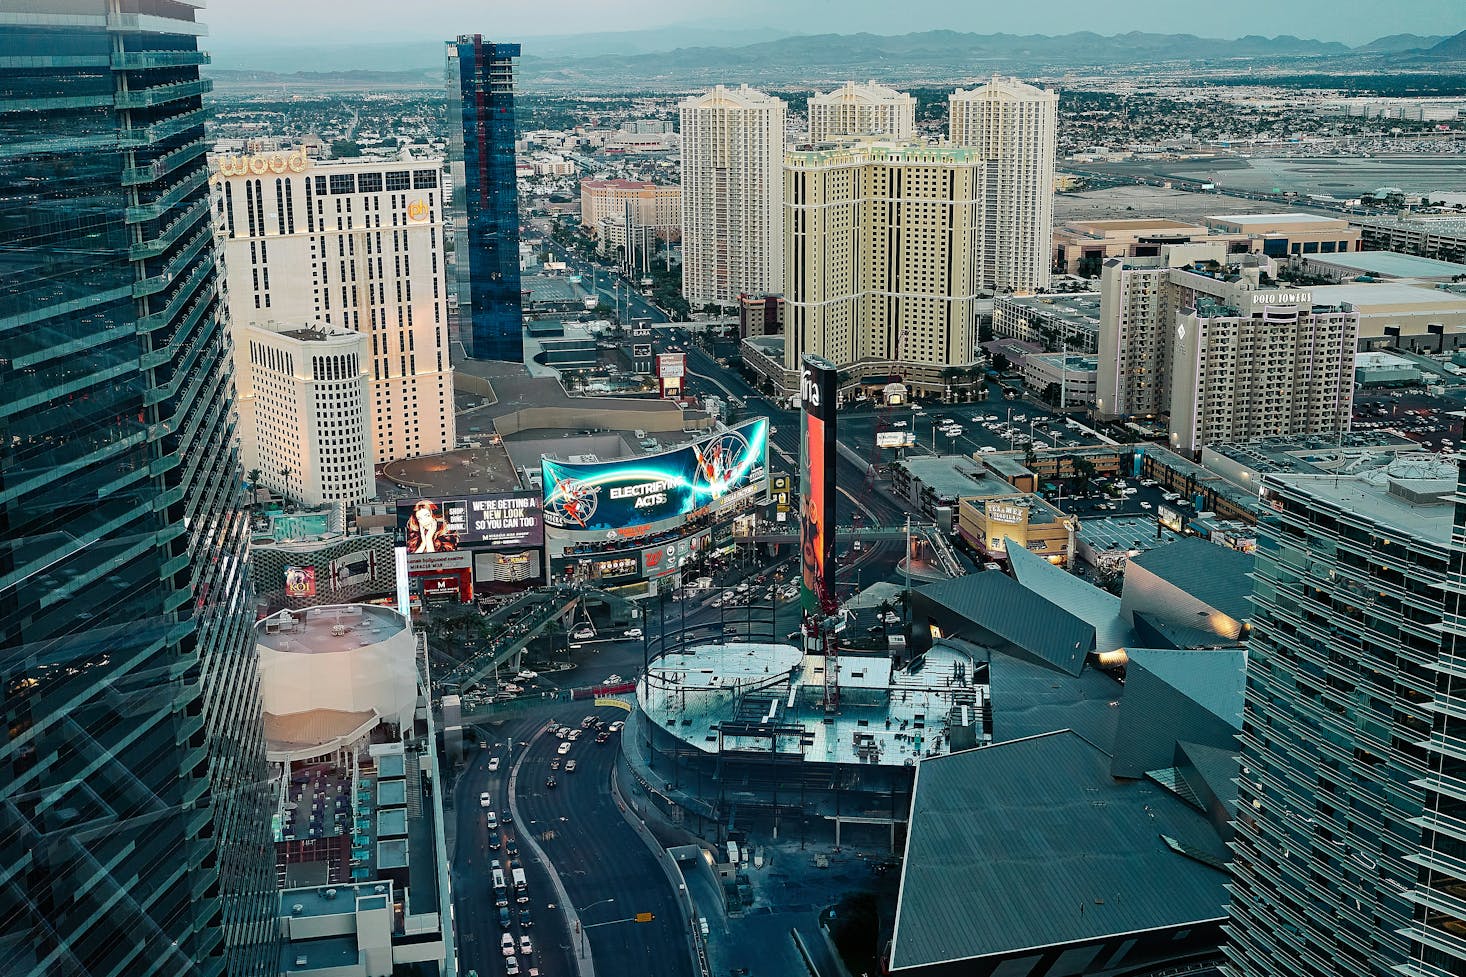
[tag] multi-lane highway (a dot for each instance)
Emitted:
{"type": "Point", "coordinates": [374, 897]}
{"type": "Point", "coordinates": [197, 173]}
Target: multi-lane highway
{"type": "Point", "coordinates": [629, 914]}
{"type": "Point", "coordinates": [477, 917]}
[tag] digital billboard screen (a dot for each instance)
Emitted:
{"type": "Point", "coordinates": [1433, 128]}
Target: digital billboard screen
{"type": "Point", "coordinates": [300, 581]}
{"type": "Point", "coordinates": [614, 496]}
{"type": "Point", "coordinates": [818, 393]}
{"type": "Point", "coordinates": [443, 525]}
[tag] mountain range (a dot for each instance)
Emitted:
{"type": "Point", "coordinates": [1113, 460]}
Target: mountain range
{"type": "Point", "coordinates": [641, 59]}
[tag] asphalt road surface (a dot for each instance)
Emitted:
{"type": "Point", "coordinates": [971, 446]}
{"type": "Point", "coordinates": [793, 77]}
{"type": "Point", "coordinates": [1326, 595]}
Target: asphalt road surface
{"type": "Point", "coordinates": [478, 919]}
{"type": "Point", "coordinates": [608, 871]}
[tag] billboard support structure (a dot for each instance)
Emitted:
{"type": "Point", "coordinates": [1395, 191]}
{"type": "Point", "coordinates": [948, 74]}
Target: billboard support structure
{"type": "Point", "coordinates": [818, 392]}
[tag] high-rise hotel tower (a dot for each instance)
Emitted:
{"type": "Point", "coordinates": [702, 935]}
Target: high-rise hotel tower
{"type": "Point", "coordinates": [134, 804]}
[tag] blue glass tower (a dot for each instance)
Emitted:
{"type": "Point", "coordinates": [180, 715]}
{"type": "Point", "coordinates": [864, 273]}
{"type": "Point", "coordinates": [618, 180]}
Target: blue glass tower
{"type": "Point", "coordinates": [485, 196]}
{"type": "Point", "coordinates": [134, 805]}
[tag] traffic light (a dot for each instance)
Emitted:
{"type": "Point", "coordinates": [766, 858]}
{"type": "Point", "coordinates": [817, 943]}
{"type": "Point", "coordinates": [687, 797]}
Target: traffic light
{"type": "Point", "coordinates": [645, 917]}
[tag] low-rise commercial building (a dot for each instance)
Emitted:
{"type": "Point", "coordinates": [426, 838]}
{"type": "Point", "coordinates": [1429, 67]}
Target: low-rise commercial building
{"type": "Point", "coordinates": [1386, 265]}
{"type": "Point", "coordinates": [994, 525]}
{"type": "Point", "coordinates": [1063, 379]}
{"type": "Point", "coordinates": [1291, 233]}
{"type": "Point", "coordinates": [1414, 317]}
{"type": "Point", "coordinates": [1056, 322]}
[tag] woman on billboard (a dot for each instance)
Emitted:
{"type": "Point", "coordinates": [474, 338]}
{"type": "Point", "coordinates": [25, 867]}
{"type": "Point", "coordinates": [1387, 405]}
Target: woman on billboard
{"type": "Point", "coordinates": [428, 532]}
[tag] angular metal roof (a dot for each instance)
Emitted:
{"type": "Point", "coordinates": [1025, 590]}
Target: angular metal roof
{"type": "Point", "coordinates": [1082, 599]}
{"type": "Point", "coordinates": [1173, 696]}
{"type": "Point", "coordinates": [1003, 611]}
{"type": "Point", "coordinates": [1033, 844]}
{"type": "Point", "coordinates": [1027, 699]}
{"type": "Point", "coordinates": [1215, 575]}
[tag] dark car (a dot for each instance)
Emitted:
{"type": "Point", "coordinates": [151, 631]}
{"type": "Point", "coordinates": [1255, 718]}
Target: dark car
{"type": "Point", "coordinates": [494, 839]}
{"type": "Point", "coordinates": [550, 782]}
{"type": "Point", "coordinates": [503, 919]}
{"type": "Point", "coordinates": [524, 919]}
{"type": "Point", "coordinates": [511, 849]}
{"type": "Point", "coordinates": [506, 816]}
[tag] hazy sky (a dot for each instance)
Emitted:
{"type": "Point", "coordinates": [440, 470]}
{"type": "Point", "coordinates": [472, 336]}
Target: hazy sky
{"type": "Point", "coordinates": [293, 22]}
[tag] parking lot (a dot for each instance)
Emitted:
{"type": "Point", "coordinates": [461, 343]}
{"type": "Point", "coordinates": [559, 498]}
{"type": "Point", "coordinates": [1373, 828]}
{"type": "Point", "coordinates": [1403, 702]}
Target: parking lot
{"type": "Point", "coordinates": [1412, 414]}
{"type": "Point", "coordinates": [980, 427]}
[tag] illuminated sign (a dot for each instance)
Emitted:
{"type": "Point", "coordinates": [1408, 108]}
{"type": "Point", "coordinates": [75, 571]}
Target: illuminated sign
{"type": "Point", "coordinates": [443, 525]}
{"type": "Point", "coordinates": [417, 210]}
{"type": "Point", "coordinates": [354, 569]}
{"type": "Point", "coordinates": [617, 496]}
{"type": "Point", "coordinates": [1281, 298]}
{"type": "Point", "coordinates": [895, 439]}
{"type": "Point", "coordinates": [1006, 523]}
{"type": "Point", "coordinates": [1006, 513]}
{"type": "Point", "coordinates": [295, 161]}
{"type": "Point", "coordinates": [300, 581]}
{"type": "Point", "coordinates": [671, 366]}
{"type": "Point", "coordinates": [658, 561]}
{"type": "Point", "coordinates": [818, 383]}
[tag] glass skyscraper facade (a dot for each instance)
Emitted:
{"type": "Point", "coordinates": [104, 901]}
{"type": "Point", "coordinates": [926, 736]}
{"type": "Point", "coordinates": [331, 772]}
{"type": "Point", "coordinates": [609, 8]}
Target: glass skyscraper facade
{"type": "Point", "coordinates": [1351, 824]}
{"type": "Point", "coordinates": [480, 78]}
{"type": "Point", "coordinates": [134, 804]}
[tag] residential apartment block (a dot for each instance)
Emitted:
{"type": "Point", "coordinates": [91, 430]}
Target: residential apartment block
{"type": "Point", "coordinates": [882, 248]}
{"type": "Point", "coordinates": [1260, 364]}
{"type": "Point", "coordinates": [304, 402]}
{"type": "Point", "coordinates": [1223, 356]}
{"type": "Point", "coordinates": [855, 110]}
{"type": "Point", "coordinates": [1014, 128]}
{"type": "Point", "coordinates": [352, 245]}
{"type": "Point", "coordinates": [732, 222]}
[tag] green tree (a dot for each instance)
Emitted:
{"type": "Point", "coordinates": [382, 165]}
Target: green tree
{"type": "Point", "coordinates": [344, 149]}
{"type": "Point", "coordinates": [1084, 472]}
{"type": "Point", "coordinates": [1001, 363]}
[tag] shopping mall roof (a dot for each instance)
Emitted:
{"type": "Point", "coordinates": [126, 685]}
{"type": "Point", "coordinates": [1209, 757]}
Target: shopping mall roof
{"type": "Point", "coordinates": [1218, 576]}
{"type": "Point", "coordinates": [993, 609]}
{"type": "Point", "coordinates": [1075, 595]}
{"type": "Point", "coordinates": [1173, 696]}
{"type": "Point", "coordinates": [1029, 700]}
{"type": "Point", "coordinates": [1032, 844]}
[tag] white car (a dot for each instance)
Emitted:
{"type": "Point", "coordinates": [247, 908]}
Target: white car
{"type": "Point", "coordinates": [1145, 505]}
{"type": "Point", "coordinates": [616, 726]}
{"type": "Point", "coordinates": [511, 967]}
{"type": "Point", "coordinates": [524, 945]}
{"type": "Point", "coordinates": [484, 800]}
{"type": "Point", "coordinates": [582, 634]}
{"type": "Point", "coordinates": [492, 819]}
{"type": "Point", "coordinates": [506, 945]}
{"type": "Point", "coordinates": [898, 423]}
{"type": "Point", "coordinates": [563, 748]}
{"type": "Point", "coordinates": [493, 766]}
{"type": "Point", "coordinates": [632, 633]}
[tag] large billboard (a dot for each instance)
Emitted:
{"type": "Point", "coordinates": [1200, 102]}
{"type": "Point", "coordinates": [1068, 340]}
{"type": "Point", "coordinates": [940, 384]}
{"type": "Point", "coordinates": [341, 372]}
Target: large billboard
{"type": "Point", "coordinates": [300, 581]}
{"type": "Point", "coordinates": [621, 496]}
{"type": "Point", "coordinates": [818, 392]}
{"type": "Point", "coordinates": [443, 525]}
